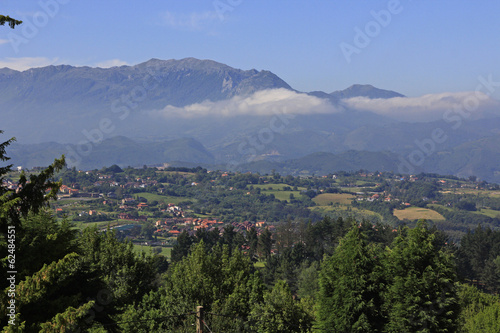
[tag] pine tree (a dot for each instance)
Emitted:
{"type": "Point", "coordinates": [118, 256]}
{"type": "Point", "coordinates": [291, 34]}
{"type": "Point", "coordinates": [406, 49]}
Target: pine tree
{"type": "Point", "coordinates": [265, 244]}
{"type": "Point", "coordinates": [280, 312]}
{"type": "Point", "coordinates": [422, 295]}
{"type": "Point", "coordinates": [349, 299]}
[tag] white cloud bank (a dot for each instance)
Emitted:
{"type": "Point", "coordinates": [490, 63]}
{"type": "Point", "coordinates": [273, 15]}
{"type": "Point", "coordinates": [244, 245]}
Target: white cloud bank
{"type": "Point", "coordinates": [22, 64]}
{"type": "Point", "coordinates": [111, 63]}
{"type": "Point", "coordinates": [260, 103]}
{"type": "Point", "coordinates": [428, 107]}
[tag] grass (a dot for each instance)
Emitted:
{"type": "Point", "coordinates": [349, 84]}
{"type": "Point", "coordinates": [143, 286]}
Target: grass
{"type": "Point", "coordinates": [259, 264]}
{"type": "Point", "coordinates": [483, 211]}
{"type": "Point", "coordinates": [326, 209]}
{"type": "Point", "coordinates": [162, 198]}
{"type": "Point", "coordinates": [325, 198]}
{"type": "Point", "coordinates": [284, 195]}
{"type": "Point", "coordinates": [65, 201]}
{"type": "Point", "coordinates": [416, 213]}
{"type": "Point", "coordinates": [165, 250]}
{"type": "Point", "coordinates": [440, 206]}
{"type": "Point", "coordinates": [353, 189]}
{"type": "Point", "coordinates": [277, 190]}
{"type": "Point", "coordinates": [488, 212]}
{"type": "Point", "coordinates": [492, 194]}
{"type": "Point", "coordinates": [272, 187]}
{"type": "Point", "coordinates": [100, 225]}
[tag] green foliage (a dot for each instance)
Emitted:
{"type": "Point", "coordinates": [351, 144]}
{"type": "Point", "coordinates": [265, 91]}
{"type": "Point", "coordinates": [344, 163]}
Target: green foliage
{"type": "Point", "coordinates": [487, 320]}
{"type": "Point", "coordinates": [48, 292]}
{"type": "Point", "coordinates": [31, 196]}
{"type": "Point", "coordinates": [280, 313]}
{"type": "Point", "coordinates": [182, 247]}
{"type": "Point", "coordinates": [223, 282]}
{"type": "Point", "coordinates": [307, 284]}
{"type": "Point", "coordinates": [42, 231]}
{"type": "Point", "coordinates": [421, 294]}
{"type": "Point", "coordinates": [480, 312]}
{"type": "Point", "coordinates": [409, 287]}
{"type": "Point", "coordinates": [322, 237]}
{"type": "Point", "coordinates": [126, 275]}
{"type": "Point", "coordinates": [350, 285]}
{"type": "Point", "coordinates": [9, 20]}
{"type": "Point", "coordinates": [69, 321]}
{"type": "Point", "coordinates": [36, 192]}
{"type": "Point", "coordinates": [264, 244]}
{"type": "Point", "coordinates": [478, 257]}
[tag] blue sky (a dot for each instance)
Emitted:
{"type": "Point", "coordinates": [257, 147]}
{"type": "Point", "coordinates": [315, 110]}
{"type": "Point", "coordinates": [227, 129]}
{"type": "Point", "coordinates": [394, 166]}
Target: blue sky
{"type": "Point", "coordinates": [424, 47]}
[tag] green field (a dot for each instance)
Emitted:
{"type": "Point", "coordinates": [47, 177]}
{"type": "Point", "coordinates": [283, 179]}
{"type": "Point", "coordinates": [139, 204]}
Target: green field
{"type": "Point", "coordinates": [356, 211]}
{"type": "Point", "coordinates": [416, 213]}
{"type": "Point", "coordinates": [166, 251]}
{"type": "Point", "coordinates": [162, 198]}
{"type": "Point", "coordinates": [277, 190]}
{"type": "Point", "coordinates": [64, 201]}
{"type": "Point", "coordinates": [483, 211]}
{"type": "Point", "coordinates": [489, 212]}
{"type": "Point", "coordinates": [100, 225]}
{"type": "Point", "coordinates": [486, 193]}
{"type": "Point", "coordinates": [440, 206]}
{"type": "Point", "coordinates": [353, 189]}
{"type": "Point", "coordinates": [324, 199]}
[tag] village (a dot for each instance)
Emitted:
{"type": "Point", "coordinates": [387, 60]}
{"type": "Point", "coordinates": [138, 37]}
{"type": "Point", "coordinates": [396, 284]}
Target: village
{"type": "Point", "coordinates": [153, 205]}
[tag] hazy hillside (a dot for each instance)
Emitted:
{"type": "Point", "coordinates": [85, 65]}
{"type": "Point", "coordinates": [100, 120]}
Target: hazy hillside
{"type": "Point", "coordinates": [117, 150]}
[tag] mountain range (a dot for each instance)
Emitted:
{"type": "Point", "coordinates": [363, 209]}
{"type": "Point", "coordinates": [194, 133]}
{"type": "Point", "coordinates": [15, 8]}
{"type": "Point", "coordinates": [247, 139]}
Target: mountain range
{"type": "Point", "coordinates": [205, 112]}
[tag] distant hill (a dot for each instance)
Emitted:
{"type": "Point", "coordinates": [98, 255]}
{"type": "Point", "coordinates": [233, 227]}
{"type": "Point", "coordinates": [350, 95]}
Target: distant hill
{"type": "Point", "coordinates": [118, 150]}
{"type": "Point", "coordinates": [324, 163]}
{"type": "Point", "coordinates": [357, 90]}
{"type": "Point", "coordinates": [475, 158]}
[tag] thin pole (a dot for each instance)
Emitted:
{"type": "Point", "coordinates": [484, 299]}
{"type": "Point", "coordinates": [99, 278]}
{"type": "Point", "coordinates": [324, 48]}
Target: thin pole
{"type": "Point", "coordinates": [199, 319]}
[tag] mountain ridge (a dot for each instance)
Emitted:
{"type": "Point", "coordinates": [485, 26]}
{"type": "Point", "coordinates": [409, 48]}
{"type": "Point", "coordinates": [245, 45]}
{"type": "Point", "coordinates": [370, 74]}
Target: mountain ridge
{"type": "Point", "coordinates": [82, 104]}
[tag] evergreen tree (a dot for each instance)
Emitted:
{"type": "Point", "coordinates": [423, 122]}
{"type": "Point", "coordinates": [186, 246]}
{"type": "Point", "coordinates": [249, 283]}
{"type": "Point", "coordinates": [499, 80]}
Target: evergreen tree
{"type": "Point", "coordinates": [280, 312]}
{"type": "Point", "coordinates": [350, 283]}
{"type": "Point", "coordinates": [422, 295]}
{"type": "Point", "coordinates": [265, 244]}
{"type": "Point", "coordinates": [252, 241]}
{"type": "Point", "coordinates": [182, 246]}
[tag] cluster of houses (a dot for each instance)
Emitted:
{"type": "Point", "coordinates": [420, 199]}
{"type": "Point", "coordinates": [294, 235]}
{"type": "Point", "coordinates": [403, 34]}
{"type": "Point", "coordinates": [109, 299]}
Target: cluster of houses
{"type": "Point", "coordinates": [362, 196]}
{"type": "Point", "coordinates": [174, 226]}
{"type": "Point", "coordinates": [10, 185]}
{"type": "Point", "coordinates": [71, 191]}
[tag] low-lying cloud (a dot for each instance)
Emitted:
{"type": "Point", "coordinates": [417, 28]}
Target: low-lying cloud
{"type": "Point", "coordinates": [283, 101]}
{"type": "Point", "coordinates": [426, 108]}
{"type": "Point", "coordinates": [24, 63]}
{"type": "Point", "coordinates": [260, 103]}
{"type": "Point", "coordinates": [112, 63]}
